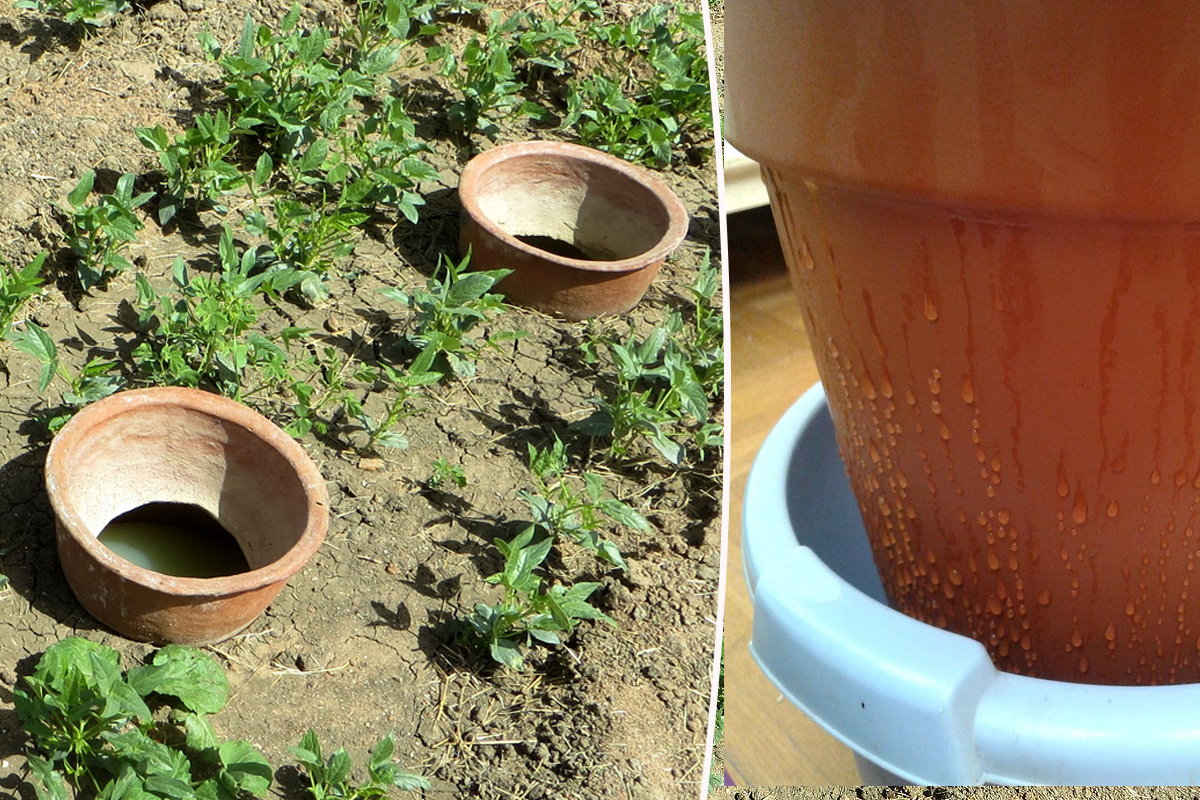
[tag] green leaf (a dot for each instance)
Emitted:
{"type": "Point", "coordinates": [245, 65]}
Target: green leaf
{"type": "Point", "coordinates": [619, 512]}
{"type": "Point", "coordinates": [185, 673]}
{"type": "Point", "coordinates": [199, 732]}
{"type": "Point", "coordinates": [246, 767]}
{"type": "Point", "coordinates": [50, 785]}
{"type": "Point", "coordinates": [263, 169]}
{"type": "Point", "coordinates": [508, 653]}
{"type": "Point", "coordinates": [79, 194]}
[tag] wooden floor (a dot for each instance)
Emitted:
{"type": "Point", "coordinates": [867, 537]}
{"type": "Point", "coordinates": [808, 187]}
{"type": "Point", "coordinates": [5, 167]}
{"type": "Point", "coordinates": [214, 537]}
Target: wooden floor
{"type": "Point", "coordinates": [768, 742]}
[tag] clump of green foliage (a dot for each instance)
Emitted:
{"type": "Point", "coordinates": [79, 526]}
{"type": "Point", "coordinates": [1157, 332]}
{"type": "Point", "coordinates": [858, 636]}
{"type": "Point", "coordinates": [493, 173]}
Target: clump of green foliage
{"type": "Point", "coordinates": [199, 164]}
{"type": "Point", "coordinates": [101, 232]}
{"type": "Point", "coordinates": [452, 304]}
{"type": "Point", "coordinates": [329, 778]}
{"type": "Point", "coordinates": [664, 382]}
{"type": "Point", "coordinates": [88, 16]}
{"type": "Point", "coordinates": [94, 381]}
{"type": "Point", "coordinates": [563, 511]}
{"type": "Point", "coordinates": [528, 612]}
{"type": "Point", "coordinates": [652, 96]}
{"type": "Point", "coordinates": [17, 286]}
{"type": "Point", "coordinates": [94, 731]}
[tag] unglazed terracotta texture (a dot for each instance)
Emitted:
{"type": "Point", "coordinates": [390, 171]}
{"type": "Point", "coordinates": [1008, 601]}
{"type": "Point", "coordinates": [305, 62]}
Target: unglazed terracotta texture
{"type": "Point", "coordinates": [990, 213]}
{"type": "Point", "coordinates": [622, 217]}
{"type": "Point", "coordinates": [177, 445]}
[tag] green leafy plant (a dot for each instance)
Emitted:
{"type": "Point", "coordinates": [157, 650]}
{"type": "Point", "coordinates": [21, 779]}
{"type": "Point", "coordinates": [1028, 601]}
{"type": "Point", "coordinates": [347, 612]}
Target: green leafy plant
{"type": "Point", "coordinates": [196, 163]}
{"type": "Point", "coordinates": [483, 76]}
{"type": "Point", "coordinates": [201, 332]}
{"type": "Point", "coordinates": [382, 153]}
{"type": "Point", "coordinates": [527, 613]}
{"type": "Point", "coordinates": [403, 387]}
{"type": "Point", "coordinates": [16, 287]}
{"type": "Point", "coordinates": [95, 381]}
{"type": "Point", "coordinates": [94, 731]}
{"type": "Point", "coordinates": [286, 87]}
{"type": "Point", "coordinates": [330, 779]}
{"type": "Point", "coordinates": [653, 93]}
{"type": "Point", "coordinates": [101, 232]}
{"type": "Point", "coordinates": [702, 338]}
{"type": "Point", "coordinates": [446, 474]}
{"type": "Point", "coordinates": [562, 511]}
{"type": "Point", "coordinates": [88, 16]}
{"type": "Point", "coordinates": [453, 303]}
{"type": "Point", "coordinates": [656, 394]}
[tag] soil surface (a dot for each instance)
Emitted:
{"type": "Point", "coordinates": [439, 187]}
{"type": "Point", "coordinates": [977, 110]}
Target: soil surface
{"type": "Point", "coordinates": [957, 793]}
{"type": "Point", "coordinates": [362, 641]}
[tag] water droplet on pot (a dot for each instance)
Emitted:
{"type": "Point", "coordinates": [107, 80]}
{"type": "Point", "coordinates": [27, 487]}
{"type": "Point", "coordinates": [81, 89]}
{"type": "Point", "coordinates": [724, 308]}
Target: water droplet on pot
{"type": "Point", "coordinates": [1077, 639]}
{"type": "Point", "coordinates": [968, 390]}
{"type": "Point", "coordinates": [1113, 509]}
{"type": "Point", "coordinates": [1110, 632]}
{"type": "Point", "coordinates": [806, 254]}
{"type": "Point", "coordinates": [994, 606]}
{"type": "Point", "coordinates": [993, 561]}
{"type": "Point", "coordinates": [1155, 477]}
{"type": "Point", "coordinates": [1003, 516]}
{"type": "Point", "coordinates": [931, 312]}
{"type": "Point", "coordinates": [1043, 597]}
{"type": "Point", "coordinates": [1083, 665]}
{"type": "Point", "coordinates": [1079, 512]}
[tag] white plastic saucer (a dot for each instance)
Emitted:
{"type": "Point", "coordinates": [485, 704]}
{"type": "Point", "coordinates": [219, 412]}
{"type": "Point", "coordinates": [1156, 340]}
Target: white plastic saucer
{"type": "Point", "coordinates": [918, 704]}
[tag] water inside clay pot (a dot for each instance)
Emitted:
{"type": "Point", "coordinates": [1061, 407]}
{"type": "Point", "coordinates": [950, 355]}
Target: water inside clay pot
{"type": "Point", "coordinates": [177, 539]}
{"type": "Point", "coordinates": [555, 246]}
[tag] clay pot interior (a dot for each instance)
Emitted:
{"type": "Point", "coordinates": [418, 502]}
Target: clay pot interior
{"type": "Point", "coordinates": [547, 199]}
{"type": "Point", "coordinates": [583, 233]}
{"type": "Point", "coordinates": [212, 460]}
{"type": "Point", "coordinates": [204, 461]}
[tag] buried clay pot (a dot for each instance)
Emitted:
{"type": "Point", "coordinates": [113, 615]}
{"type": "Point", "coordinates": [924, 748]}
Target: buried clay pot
{"type": "Point", "coordinates": [992, 228]}
{"type": "Point", "coordinates": [583, 232]}
{"type": "Point", "coordinates": [208, 456]}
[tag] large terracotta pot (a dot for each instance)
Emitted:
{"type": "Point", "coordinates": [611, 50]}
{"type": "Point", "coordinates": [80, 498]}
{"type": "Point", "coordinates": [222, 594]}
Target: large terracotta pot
{"type": "Point", "coordinates": [172, 445]}
{"type": "Point", "coordinates": [583, 232]}
{"type": "Point", "coordinates": [991, 214]}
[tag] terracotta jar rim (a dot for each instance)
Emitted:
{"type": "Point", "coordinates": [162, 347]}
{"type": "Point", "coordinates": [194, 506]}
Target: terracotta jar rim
{"type": "Point", "coordinates": [480, 165]}
{"type": "Point", "coordinates": [218, 407]}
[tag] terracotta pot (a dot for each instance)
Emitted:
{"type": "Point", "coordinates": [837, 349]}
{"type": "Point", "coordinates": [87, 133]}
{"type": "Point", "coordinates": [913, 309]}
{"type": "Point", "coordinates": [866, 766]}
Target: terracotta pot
{"type": "Point", "coordinates": [617, 221]}
{"type": "Point", "coordinates": [172, 445]}
{"type": "Point", "coordinates": [990, 213]}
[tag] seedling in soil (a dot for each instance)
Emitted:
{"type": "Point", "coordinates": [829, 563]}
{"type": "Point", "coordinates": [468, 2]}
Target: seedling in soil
{"type": "Point", "coordinates": [702, 342]}
{"type": "Point", "coordinates": [453, 303]}
{"type": "Point", "coordinates": [483, 76]}
{"type": "Point", "coordinates": [446, 474]}
{"type": "Point", "coordinates": [16, 287]}
{"type": "Point", "coordinates": [382, 151]}
{"type": "Point", "coordinates": [94, 382]}
{"type": "Point", "coordinates": [528, 614]}
{"type": "Point", "coordinates": [329, 779]}
{"type": "Point", "coordinates": [92, 726]}
{"type": "Point", "coordinates": [561, 511]}
{"type": "Point", "coordinates": [101, 232]}
{"type": "Point", "coordinates": [86, 15]}
{"type": "Point", "coordinates": [286, 88]}
{"type": "Point", "coordinates": [656, 394]}
{"type": "Point", "coordinates": [404, 387]}
{"type": "Point", "coordinates": [646, 111]}
{"type": "Point", "coordinates": [195, 162]}
{"type": "Point", "coordinates": [200, 333]}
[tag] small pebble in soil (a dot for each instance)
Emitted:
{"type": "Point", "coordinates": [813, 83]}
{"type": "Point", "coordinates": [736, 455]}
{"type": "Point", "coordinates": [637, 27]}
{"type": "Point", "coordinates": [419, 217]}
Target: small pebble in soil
{"type": "Point", "coordinates": [370, 464]}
